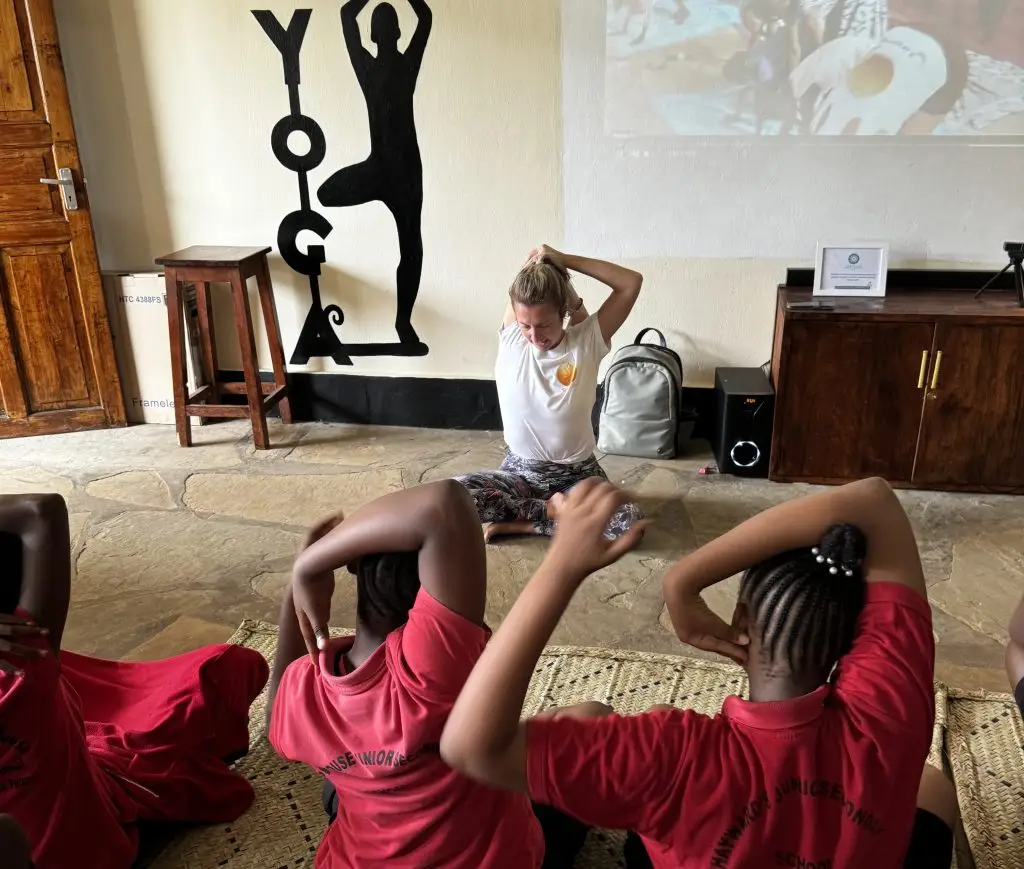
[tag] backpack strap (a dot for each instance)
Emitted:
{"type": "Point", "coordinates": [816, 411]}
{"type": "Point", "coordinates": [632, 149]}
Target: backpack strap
{"type": "Point", "coordinates": [640, 337]}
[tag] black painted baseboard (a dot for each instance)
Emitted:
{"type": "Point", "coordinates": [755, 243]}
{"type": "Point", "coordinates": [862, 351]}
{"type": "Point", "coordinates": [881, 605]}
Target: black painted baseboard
{"type": "Point", "coordinates": [421, 402]}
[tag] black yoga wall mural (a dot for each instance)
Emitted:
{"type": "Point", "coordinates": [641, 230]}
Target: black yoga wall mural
{"type": "Point", "coordinates": [391, 174]}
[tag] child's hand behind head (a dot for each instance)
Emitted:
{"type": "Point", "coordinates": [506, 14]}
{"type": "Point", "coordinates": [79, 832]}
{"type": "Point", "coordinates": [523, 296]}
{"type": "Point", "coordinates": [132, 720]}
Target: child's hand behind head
{"type": "Point", "coordinates": [580, 546]}
{"type": "Point", "coordinates": [312, 593]}
{"type": "Point", "coordinates": [697, 625]}
{"type": "Point", "coordinates": [14, 632]}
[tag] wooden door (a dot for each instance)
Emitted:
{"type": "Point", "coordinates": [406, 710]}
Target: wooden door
{"type": "Point", "coordinates": [848, 403]}
{"type": "Point", "coordinates": [57, 366]}
{"type": "Point", "coordinates": [972, 432]}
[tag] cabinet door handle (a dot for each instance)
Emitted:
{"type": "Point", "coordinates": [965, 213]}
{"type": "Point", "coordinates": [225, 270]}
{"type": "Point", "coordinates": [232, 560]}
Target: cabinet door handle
{"type": "Point", "coordinates": [935, 373]}
{"type": "Point", "coordinates": [924, 369]}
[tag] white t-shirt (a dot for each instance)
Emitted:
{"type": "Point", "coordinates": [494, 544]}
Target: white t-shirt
{"type": "Point", "coordinates": [547, 396]}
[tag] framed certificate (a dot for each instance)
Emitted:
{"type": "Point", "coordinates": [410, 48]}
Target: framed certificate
{"type": "Point", "coordinates": [851, 269]}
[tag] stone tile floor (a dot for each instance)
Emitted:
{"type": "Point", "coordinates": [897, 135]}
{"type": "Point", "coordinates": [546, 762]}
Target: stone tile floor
{"type": "Point", "coordinates": [174, 547]}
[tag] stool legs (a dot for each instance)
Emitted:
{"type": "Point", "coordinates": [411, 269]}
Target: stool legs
{"type": "Point", "coordinates": [250, 366]}
{"type": "Point", "coordinates": [179, 377]}
{"type": "Point", "coordinates": [207, 340]}
{"type": "Point", "coordinates": [273, 328]}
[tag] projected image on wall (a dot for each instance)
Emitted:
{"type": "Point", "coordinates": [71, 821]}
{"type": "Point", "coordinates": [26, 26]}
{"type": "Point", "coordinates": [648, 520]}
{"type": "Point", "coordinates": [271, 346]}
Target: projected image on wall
{"type": "Point", "coordinates": [815, 67]}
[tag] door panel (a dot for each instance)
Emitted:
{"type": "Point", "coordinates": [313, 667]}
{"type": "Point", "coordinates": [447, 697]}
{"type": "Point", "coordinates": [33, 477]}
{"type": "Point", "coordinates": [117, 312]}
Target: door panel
{"type": "Point", "coordinates": [57, 366]}
{"type": "Point", "coordinates": [848, 403]}
{"type": "Point", "coordinates": [43, 299]}
{"type": "Point", "coordinates": [16, 93]}
{"type": "Point", "coordinates": [22, 197]}
{"type": "Point", "coordinates": [973, 426]}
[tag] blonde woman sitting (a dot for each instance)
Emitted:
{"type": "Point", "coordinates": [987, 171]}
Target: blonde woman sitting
{"type": "Point", "coordinates": [549, 351]}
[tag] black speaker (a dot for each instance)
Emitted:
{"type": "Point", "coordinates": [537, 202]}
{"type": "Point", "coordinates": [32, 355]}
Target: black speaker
{"type": "Point", "coordinates": [743, 421]}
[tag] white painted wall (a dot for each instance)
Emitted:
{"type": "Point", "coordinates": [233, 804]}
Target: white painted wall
{"type": "Point", "coordinates": [174, 101]}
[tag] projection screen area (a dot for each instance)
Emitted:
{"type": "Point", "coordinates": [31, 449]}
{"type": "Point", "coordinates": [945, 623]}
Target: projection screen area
{"type": "Point", "coordinates": [814, 67]}
{"type": "Point", "coordinates": [756, 128]}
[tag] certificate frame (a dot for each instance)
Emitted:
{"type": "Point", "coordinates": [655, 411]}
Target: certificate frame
{"type": "Point", "coordinates": [869, 283]}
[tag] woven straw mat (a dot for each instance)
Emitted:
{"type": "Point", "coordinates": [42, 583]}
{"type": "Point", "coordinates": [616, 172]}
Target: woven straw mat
{"type": "Point", "coordinates": [286, 822]}
{"type": "Point", "coordinates": [985, 745]}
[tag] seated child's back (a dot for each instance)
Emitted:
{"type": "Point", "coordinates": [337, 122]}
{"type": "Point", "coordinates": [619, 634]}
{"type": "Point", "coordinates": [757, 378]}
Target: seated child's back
{"type": "Point", "coordinates": [823, 765]}
{"type": "Point", "coordinates": [369, 711]}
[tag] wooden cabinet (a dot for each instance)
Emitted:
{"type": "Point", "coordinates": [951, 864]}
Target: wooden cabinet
{"type": "Point", "coordinates": [972, 428]}
{"type": "Point", "coordinates": [925, 389]}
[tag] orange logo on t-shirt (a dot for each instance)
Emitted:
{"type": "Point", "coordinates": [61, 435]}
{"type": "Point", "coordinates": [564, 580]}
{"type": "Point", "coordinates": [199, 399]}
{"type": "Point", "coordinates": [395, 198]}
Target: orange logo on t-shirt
{"type": "Point", "coordinates": [566, 374]}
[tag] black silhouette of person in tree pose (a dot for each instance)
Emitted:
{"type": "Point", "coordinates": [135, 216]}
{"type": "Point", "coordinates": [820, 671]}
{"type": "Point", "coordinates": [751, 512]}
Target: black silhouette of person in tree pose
{"type": "Point", "coordinates": [393, 173]}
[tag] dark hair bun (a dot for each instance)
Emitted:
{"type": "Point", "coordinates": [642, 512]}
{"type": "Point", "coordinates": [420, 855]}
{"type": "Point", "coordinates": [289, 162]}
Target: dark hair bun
{"type": "Point", "coordinates": [844, 546]}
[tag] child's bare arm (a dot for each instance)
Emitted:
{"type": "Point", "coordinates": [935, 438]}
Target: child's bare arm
{"type": "Point", "coordinates": [290, 643]}
{"type": "Point", "coordinates": [437, 520]}
{"type": "Point", "coordinates": [484, 737]}
{"type": "Point", "coordinates": [870, 504]}
{"type": "Point", "coordinates": [40, 522]}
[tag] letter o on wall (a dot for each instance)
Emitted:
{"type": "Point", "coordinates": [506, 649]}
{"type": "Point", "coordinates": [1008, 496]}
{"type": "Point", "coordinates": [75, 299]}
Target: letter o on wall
{"type": "Point", "coordinates": [288, 158]}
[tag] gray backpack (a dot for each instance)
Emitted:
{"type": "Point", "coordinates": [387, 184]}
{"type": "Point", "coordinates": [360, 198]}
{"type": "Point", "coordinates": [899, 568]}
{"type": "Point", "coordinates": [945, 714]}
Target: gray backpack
{"type": "Point", "coordinates": [640, 409]}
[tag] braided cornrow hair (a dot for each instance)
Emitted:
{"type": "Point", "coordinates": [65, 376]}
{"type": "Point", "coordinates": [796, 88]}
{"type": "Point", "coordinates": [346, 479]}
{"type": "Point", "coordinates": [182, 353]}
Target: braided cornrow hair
{"type": "Point", "coordinates": [386, 589]}
{"type": "Point", "coordinates": [805, 602]}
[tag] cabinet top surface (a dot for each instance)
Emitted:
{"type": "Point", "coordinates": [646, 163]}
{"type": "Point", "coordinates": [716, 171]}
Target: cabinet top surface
{"type": "Point", "coordinates": [907, 305]}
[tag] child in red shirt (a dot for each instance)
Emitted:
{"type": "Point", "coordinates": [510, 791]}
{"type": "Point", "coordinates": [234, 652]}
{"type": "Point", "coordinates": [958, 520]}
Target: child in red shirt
{"type": "Point", "coordinates": [367, 711]}
{"type": "Point", "coordinates": [817, 769]}
{"type": "Point", "coordinates": [88, 747]}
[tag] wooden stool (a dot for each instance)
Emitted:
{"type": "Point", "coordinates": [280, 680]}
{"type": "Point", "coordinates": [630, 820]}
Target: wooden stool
{"type": "Point", "coordinates": [232, 265]}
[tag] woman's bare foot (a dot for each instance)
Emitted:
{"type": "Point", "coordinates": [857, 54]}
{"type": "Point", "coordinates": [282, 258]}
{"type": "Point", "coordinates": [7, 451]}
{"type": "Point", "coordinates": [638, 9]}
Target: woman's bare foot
{"type": "Point", "coordinates": [554, 505]}
{"type": "Point", "coordinates": [505, 529]}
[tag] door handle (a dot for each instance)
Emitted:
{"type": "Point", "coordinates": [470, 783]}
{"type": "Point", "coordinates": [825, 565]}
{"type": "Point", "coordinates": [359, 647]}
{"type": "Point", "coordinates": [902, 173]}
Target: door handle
{"type": "Point", "coordinates": [935, 372]}
{"type": "Point", "coordinates": [924, 369]}
{"type": "Point", "coordinates": [66, 183]}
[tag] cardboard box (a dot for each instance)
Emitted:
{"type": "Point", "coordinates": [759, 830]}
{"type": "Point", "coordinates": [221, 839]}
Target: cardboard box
{"type": "Point", "coordinates": [137, 308]}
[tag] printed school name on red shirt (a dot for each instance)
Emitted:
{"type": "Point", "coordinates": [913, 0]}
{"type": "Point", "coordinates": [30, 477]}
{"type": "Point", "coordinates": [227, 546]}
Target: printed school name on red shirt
{"type": "Point", "coordinates": [801, 787]}
{"type": "Point", "coordinates": [379, 757]}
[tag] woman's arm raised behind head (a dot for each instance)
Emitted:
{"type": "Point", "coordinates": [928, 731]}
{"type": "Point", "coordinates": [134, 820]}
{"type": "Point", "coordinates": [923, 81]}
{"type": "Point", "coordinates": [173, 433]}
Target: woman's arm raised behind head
{"type": "Point", "coordinates": [624, 283]}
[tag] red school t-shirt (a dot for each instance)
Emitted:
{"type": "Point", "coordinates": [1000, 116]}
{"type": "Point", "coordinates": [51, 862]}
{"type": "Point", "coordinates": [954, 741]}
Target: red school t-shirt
{"type": "Point", "coordinates": [825, 780]}
{"type": "Point", "coordinates": [89, 746]}
{"type": "Point", "coordinates": [374, 733]}
{"type": "Point", "coordinates": [48, 780]}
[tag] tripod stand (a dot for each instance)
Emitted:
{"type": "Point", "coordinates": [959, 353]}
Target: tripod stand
{"type": "Point", "coordinates": [1017, 264]}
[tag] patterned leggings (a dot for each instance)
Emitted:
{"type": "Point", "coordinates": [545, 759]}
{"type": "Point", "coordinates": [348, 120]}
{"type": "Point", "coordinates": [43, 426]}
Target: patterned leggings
{"type": "Point", "coordinates": [518, 492]}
